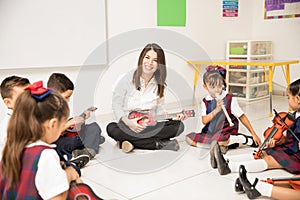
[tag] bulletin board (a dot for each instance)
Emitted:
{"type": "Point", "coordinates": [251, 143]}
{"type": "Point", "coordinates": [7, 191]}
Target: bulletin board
{"type": "Point", "coordinates": [42, 34]}
{"type": "Point", "coordinates": [278, 9]}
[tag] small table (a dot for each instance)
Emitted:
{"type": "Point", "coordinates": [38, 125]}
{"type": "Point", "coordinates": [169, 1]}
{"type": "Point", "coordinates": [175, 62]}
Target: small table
{"type": "Point", "coordinates": [285, 65]}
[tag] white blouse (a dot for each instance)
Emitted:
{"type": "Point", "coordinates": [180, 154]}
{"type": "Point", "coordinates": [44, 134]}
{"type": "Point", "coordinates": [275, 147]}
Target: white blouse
{"type": "Point", "coordinates": [127, 98]}
{"type": "Point", "coordinates": [50, 179]}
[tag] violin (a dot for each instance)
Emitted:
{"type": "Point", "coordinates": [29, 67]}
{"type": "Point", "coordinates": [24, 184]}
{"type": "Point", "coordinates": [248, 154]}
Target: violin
{"type": "Point", "coordinates": [293, 181]}
{"type": "Point", "coordinates": [281, 122]}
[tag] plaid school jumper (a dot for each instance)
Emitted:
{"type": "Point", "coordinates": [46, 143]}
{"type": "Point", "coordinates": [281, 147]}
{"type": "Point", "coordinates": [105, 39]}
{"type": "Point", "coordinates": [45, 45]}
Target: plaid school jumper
{"type": "Point", "coordinates": [26, 188]}
{"type": "Point", "coordinates": [288, 154]}
{"type": "Point", "coordinates": [218, 128]}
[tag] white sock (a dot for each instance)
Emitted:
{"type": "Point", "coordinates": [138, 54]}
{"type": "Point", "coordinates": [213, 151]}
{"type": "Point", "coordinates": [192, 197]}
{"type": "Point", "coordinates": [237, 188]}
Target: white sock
{"type": "Point", "coordinates": [265, 189]}
{"type": "Point", "coordinates": [202, 145]}
{"type": "Point", "coordinates": [239, 158]}
{"type": "Point", "coordinates": [237, 139]}
{"type": "Point", "coordinates": [251, 166]}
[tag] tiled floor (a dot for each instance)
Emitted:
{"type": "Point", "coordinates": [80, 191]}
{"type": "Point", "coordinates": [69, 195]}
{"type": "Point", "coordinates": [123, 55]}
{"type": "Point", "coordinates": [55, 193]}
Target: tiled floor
{"type": "Point", "coordinates": [186, 174]}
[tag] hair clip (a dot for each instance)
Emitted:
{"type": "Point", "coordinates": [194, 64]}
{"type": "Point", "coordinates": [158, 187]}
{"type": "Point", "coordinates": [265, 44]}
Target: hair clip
{"type": "Point", "coordinates": [37, 90]}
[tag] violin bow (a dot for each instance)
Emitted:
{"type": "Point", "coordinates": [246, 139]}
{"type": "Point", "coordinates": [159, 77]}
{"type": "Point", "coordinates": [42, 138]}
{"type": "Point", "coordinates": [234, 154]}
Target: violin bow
{"type": "Point", "coordinates": [276, 113]}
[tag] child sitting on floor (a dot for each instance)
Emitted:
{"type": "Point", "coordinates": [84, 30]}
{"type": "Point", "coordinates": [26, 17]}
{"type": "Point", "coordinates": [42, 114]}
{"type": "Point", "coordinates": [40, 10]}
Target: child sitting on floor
{"type": "Point", "coordinates": [217, 126]}
{"type": "Point", "coordinates": [87, 140]}
{"type": "Point", "coordinates": [283, 154]}
{"type": "Point", "coordinates": [30, 167]}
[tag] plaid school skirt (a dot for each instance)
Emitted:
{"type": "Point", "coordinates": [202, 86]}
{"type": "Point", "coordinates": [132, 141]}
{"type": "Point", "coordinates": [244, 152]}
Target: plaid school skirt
{"type": "Point", "coordinates": [223, 135]}
{"type": "Point", "coordinates": [290, 162]}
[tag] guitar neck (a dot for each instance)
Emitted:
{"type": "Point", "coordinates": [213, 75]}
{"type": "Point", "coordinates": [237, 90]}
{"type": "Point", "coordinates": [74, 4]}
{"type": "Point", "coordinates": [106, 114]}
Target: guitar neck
{"type": "Point", "coordinates": [166, 116]}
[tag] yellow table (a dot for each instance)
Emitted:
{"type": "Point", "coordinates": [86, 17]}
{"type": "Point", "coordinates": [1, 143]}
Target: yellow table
{"type": "Point", "coordinates": [271, 64]}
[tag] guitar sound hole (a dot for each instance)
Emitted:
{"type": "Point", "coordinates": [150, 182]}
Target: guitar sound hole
{"type": "Point", "coordinates": [145, 119]}
{"type": "Point", "coordinates": [82, 197]}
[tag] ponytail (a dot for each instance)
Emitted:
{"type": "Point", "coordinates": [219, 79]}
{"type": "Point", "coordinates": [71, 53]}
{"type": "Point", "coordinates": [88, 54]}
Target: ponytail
{"type": "Point", "coordinates": [26, 126]}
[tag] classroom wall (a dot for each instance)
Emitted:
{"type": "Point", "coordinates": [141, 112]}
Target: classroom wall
{"type": "Point", "coordinates": [205, 27]}
{"type": "Point", "coordinates": [285, 36]}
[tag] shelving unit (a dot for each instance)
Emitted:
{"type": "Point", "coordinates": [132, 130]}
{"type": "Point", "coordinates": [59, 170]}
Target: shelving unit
{"type": "Point", "coordinates": [248, 82]}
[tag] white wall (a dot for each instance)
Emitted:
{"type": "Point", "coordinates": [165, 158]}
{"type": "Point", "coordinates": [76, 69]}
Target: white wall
{"type": "Point", "coordinates": [285, 34]}
{"type": "Point", "coordinates": [49, 33]}
{"type": "Point", "coordinates": [205, 26]}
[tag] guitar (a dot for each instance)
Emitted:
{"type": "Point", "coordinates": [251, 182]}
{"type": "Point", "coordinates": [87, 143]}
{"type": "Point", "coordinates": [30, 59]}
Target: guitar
{"type": "Point", "coordinates": [81, 191]}
{"type": "Point", "coordinates": [77, 127]}
{"type": "Point", "coordinates": [148, 119]}
{"type": "Point", "coordinates": [77, 191]}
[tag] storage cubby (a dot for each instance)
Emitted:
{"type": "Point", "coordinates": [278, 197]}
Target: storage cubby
{"type": "Point", "coordinates": [248, 82]}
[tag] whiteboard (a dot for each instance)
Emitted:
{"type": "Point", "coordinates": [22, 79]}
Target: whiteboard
{"type": "Point", "coordinates": [50, 33]}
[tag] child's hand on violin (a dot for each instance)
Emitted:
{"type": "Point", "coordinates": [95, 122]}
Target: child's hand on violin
{"type": "Point", "coordinates": [271, 143]}
{"type": "Point", "coordinates": [299, 145]}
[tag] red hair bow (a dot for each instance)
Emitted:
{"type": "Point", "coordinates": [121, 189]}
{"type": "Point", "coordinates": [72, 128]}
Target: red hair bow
{"type": "Point", "coordinates": [217, 68]}
{"type": "Point", "coordinates": [37, 90]}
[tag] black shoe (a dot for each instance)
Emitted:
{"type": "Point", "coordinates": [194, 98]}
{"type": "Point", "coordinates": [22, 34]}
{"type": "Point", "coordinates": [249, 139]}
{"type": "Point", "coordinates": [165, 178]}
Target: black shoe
{"type": "Point", "coordinates": [238, 187]}
{"type": "Point", "coordinates": [168, 145]}
{"type": "Point", "coordinates": [85, 151]}
{"type": "Point", "coordinates": [233, 146]}
{"type": "Point", "coordinates": [223, 149]}
{"type": "Point", "coordinates": [250, 190]}
{"type": "Point", "coordinates": [80, 161]}
{"type": "Point", "coordinates": [102, 140]}
{"type": "Point", "coordinates": [223, 167]}
{"type": "Point", "coordinates": [248, 138]}
{"type": "Point", "coordinates": [213, 161]}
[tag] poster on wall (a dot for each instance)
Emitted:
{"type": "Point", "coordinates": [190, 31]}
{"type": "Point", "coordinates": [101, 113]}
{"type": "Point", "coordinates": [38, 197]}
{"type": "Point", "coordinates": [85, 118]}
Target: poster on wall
{"type": "Point", "coordinates": [230, 8]}
{"type": "Point", "coordinates": [278, 9]}
{"type": "Point", "coordinates": [171, 12]}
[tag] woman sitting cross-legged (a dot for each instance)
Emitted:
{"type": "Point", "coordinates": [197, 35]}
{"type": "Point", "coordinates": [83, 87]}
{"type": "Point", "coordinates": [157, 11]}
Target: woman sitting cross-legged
{"type": "Point", "coordinates": [142, 90]}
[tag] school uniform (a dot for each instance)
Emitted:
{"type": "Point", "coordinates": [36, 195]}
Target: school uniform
{"type": "Point", "coordinates": [218, 128]}
{"type": "Point", "coordinates": [88, 137]}
{"type": "Point", "coordinates": [288, 154]}
{"type": "Point", "coordinates": [41, 177]}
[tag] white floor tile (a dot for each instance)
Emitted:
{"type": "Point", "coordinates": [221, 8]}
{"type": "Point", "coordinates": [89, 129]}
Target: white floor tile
{"type": "Point", "coordinates": [187, 174]}
{"type": "Point", "coordinates": [202, 186]}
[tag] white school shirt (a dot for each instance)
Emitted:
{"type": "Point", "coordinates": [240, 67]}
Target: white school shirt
{"type": "Point", "coordinates": [50, 179]}
{"type": "Point", "coordinates": [127, 98]}
{"type": "Point", "coordinates": [3, 129]}
{"type": "Point", "coordinates": [235, 107]}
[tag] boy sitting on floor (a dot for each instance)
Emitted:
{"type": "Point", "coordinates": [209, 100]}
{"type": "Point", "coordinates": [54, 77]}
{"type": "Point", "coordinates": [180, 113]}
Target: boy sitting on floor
{"type": "Point", "coordinates": [87, 138]}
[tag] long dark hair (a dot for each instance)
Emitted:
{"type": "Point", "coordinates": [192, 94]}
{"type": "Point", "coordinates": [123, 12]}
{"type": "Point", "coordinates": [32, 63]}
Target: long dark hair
{"type": "Point", "coordinates": [26, 126]}
{"type": "Point", "coordinates": [161, 72]}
